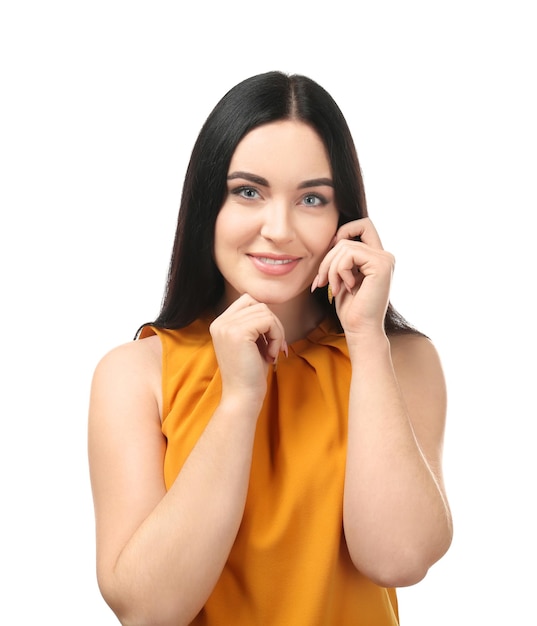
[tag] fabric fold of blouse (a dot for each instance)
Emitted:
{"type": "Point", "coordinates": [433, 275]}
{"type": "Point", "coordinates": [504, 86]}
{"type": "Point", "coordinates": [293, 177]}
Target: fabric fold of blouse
{"type": "Point", "coordinates": [289, 565]}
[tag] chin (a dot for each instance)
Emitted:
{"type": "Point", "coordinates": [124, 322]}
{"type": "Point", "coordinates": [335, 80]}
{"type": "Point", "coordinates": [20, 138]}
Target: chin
{"type": "Point", "coordinates": [277, 297]}
{"type": "Point", "coordinates": [269, 294]}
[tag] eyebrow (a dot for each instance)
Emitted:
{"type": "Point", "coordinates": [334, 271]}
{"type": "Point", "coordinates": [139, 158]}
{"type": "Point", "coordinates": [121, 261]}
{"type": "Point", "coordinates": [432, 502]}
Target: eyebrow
{"type": "Point", "coordinates": [316, 182]}
{"type": "Point", "coordinates": [253, 178]}
{"type": "Point", "coordinates": [259, 180]}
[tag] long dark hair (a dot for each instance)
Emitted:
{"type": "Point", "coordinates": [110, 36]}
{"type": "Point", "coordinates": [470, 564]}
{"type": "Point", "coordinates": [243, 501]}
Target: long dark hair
{"type": "Point", "coordinates": [194, 284]}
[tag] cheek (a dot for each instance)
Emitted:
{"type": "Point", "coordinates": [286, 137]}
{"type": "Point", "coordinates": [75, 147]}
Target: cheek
{"type": "Point", "coordinates": [230, 230]}
{"type": "Point", "coordinates": [329, 229]}
{"type": "Point", "coordinates": [225, 227]}
{"type": "Point", "coordinates": [221, 236]}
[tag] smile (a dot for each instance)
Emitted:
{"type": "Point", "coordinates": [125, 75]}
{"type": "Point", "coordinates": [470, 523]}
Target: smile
{"type": "Point", "coordinates": [265, 259]}
{"type": "Point", "coordinates": [273, 265]}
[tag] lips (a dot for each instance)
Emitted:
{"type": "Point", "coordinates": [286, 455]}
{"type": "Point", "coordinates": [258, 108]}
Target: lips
{"type": "Point", "coordinates": [274, 265]}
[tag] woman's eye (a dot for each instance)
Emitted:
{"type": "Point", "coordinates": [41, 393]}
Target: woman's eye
{"type": "Point", "coordinates": [246, 192]}
{"type": "Point", "coordinates": [314, 200]}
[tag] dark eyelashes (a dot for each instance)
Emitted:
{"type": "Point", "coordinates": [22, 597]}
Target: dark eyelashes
{"type": "Point", "coordinates": [243, 188]}
{"type": "Point", "coordinates": [249, 192]}
{"type": "Point", "coordinates": [319, 197]}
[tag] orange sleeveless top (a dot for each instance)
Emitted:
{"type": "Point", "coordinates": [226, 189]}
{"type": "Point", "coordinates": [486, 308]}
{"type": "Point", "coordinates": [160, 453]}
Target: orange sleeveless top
{"type": "Point", "coordinates": [289, 565]}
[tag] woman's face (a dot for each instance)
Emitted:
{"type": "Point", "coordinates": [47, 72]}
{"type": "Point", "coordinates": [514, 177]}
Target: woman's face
{"type": "Point", "coordinates": [279, 217]}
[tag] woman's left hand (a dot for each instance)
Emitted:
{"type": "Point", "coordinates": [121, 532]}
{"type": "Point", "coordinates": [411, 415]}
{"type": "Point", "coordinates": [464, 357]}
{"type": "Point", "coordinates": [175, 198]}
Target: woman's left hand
{"type": "Point", "coordinates": [359, 274]}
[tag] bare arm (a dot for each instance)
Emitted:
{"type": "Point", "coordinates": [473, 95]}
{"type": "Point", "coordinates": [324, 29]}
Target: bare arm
{"type": "Point", "coordinates": [160, 553]}
{"type": "Point", "coordinates": [396, 517]}
{"type": "Point", "coordinates": [397, 520]}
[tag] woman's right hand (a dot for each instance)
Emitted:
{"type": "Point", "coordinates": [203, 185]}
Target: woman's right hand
{"type": "Point", "coordinates": [247, 338]}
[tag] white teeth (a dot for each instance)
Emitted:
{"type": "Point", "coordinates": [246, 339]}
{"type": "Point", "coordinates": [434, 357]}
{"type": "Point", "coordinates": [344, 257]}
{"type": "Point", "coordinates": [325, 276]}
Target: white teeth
{"type": "Point", "coordinates": [275, 261]}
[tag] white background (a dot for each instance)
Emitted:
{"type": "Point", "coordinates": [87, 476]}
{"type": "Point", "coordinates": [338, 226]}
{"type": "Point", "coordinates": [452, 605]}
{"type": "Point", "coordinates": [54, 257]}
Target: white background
{"type": "Point", "coordinates": [101, 103]}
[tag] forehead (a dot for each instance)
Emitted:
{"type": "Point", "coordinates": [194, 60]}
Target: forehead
{"type": "Point", "coordinates": [282, 145]}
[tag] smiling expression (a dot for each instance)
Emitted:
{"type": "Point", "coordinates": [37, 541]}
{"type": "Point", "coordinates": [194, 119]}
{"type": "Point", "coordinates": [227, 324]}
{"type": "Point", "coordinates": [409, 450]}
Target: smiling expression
{"type": "Point", "coordinates": [279, 217]}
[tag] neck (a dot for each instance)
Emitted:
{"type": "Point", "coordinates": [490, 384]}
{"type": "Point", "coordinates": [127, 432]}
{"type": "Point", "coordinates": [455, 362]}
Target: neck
{"type": "Point", "coordinates": [298, 318]}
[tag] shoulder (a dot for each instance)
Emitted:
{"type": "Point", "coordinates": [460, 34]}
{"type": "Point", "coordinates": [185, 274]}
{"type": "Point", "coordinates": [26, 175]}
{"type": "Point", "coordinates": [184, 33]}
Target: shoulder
{"type": "Point", "coordinates": [411, 347]}
{"type": "Point", "coordinates": [130, 368]}
{"type": "Point", "coordinates": [141, 355]}
{"type": "Point", "coordinates": [419, 370]}
{"type": "Point", "coordinates": [417, 364]}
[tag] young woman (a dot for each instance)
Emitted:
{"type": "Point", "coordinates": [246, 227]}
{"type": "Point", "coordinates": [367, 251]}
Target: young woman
{"type": "Point", "coordinates": [269, 449]}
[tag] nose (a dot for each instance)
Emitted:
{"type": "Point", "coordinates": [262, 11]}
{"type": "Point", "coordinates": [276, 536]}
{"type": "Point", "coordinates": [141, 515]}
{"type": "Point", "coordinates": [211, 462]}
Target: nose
{"type": "Point", "coordinates": [277, 222]}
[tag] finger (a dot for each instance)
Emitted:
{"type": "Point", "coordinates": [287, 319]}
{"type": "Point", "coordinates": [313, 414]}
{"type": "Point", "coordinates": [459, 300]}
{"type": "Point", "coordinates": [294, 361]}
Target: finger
{"type": "Point", "coordinates": [243, 301]}
{"type": "Point", "coordinates": [344, 270]}
{"type": "Point", "coordinates": [243, 305]}
{"type": "Point", "coordinates": [321, 279]}
{"type": "Point", "coordinates": [264, 328]}
{"type": "Point", "coordinates": [255, 325]}
{"type": "Point", "coordinates": [272, 337]}
{"type": "Point", "coordinates": [347, 255]}
{"type": "Point", "coordinates": [362, 228]}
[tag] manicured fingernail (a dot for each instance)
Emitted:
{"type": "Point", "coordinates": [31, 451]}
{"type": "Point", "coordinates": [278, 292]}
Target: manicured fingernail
{"type": "Point", "coordinates": [285, 348]}
{"type": "Point", "coordinates": [315, 283]}
{"type": "Point", "coordinates": [330, 294]}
